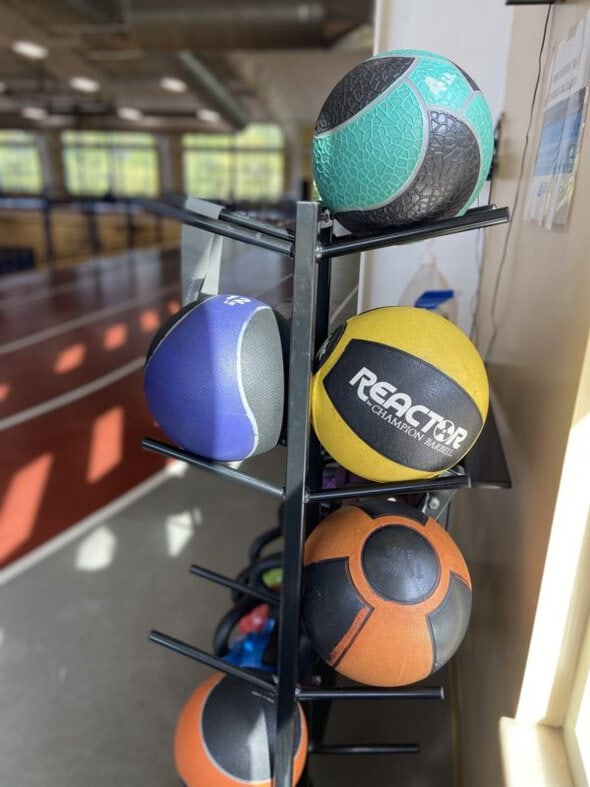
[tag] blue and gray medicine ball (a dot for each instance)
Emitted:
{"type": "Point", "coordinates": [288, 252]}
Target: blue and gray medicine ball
{"type": "Point", "coordinates": [214, 378]}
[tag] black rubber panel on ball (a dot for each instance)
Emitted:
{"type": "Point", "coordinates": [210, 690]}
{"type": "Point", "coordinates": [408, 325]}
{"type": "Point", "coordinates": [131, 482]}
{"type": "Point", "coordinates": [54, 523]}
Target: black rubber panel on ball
{"type": "Point", "coordinates": [441, 187]}
{"type": "Point", "coordinates": [331, 604]}
{"type": "Point", "coordinates": [261, 364]}
{"type": "Point", "coordinates": [328, 346]}
{"type": "Point", "coordinates": [448, 623]}
{"type": "Point", "coordinates": [400, 564]}
{"type": "Point", "coordinates": [474, 86]}
{"type": "Point", "coordinates": [238, 726]}
{"type": "Point", "coordinates": [363, 84]}
{"type": "Point", "coordinates": [377, 508]}
{"type": "Point", "coordinates": [379, 423]}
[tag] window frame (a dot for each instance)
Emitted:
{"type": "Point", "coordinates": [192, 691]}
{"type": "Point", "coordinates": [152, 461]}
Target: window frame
{"type": "Point", "coordinates": [238, 148]}
{"type": "Point", "coordinates": [113, 145]}
{"type": "Point", "coordinates": [542, 739]}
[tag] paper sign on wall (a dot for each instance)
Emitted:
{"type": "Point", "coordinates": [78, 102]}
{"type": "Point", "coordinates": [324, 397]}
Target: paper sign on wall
{"type": "Point", "coordinates": [552, 184]}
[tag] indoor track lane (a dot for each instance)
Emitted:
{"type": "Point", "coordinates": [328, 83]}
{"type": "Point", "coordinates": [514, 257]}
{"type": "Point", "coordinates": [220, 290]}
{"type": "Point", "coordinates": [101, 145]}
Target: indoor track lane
{"type": "Point", "coordinates": [72, 410]}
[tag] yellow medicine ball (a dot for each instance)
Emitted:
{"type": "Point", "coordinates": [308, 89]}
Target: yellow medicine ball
{"type": "Point", "coordinates": [399, 393]}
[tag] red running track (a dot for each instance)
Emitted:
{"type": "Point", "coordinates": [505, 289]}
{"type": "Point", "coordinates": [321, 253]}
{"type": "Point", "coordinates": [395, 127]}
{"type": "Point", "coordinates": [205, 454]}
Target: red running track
{"type": "Point", "coordinates": [72, 411]}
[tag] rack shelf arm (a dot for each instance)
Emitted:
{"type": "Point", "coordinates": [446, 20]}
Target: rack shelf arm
{"type": "Point", "coordinates": [219, 468]}
{"type": "Point", "coordinates": [178, 646]}
{"type": "Point", "coordinates": [301, 353]}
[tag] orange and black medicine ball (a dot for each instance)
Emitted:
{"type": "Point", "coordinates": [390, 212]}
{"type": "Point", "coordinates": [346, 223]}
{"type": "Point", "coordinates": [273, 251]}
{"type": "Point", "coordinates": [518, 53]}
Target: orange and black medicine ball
{"type": "Point", "coordinates": [387, 593]}
{"type": "Point", "coordinates": [225, 736]}
{"type": "Point", "coordinates": [399, 393]}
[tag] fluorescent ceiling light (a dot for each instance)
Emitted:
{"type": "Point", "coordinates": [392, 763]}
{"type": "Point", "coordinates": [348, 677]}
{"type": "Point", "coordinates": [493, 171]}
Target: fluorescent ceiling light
{"type": "Point", "coordinates": [30, 49]}
{"type": "Point", "coordinates": [129, 113]}
{"type": "Point", "coordinates": [173, 85]}
{"type": "Point", "coordinates": [208, 115]}
{"type": "Point", "coordinates": [85, 84]}
{"type": "Point", "coordinates": [34, 113]}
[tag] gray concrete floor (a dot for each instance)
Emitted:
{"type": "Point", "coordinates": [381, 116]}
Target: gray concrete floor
{"type": "Point", "coordinates": [88, 700]}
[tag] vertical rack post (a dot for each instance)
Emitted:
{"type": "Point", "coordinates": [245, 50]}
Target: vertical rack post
{"type": "Point", "coordinates": [298, 427]}
{"type": "Point", "coordinates": [317, 712]}
{"type": "Point", "coordinates": [321, 322]}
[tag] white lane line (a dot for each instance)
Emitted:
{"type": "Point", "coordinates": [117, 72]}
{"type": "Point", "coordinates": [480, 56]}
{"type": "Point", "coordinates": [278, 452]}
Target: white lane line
{"type": "Point", "coordinates": [71, 396]}
{"type": "Point", "coordinates": [91, 276]}
{"type": "Point", "coordinates": [40, 277]}
{"type": "Point", "coordinates": [70, 325]}
{"type": "Point", "coordinates": [74, 532]}
{"type": "Point", "coordinates": [84, 390]}
{"type": "Point", "coordinates": [46, 292]}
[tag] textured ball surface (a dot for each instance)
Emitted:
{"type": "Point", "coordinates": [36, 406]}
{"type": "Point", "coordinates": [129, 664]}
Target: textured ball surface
{"type": "Point", "coordinates": [225, 736]}
{"type": "Point", "coordinates": [214, 378]}
{"type": "Point", "coordinates": [404, 137]}
{"type": "Point", "coordinates": [399, 393]}
{"type": "Point", "coordinates": [387, 594]}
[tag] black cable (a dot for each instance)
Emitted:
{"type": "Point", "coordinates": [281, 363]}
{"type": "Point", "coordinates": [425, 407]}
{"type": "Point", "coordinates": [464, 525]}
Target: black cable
{"type": "Point", "coordinates": [517, 194]}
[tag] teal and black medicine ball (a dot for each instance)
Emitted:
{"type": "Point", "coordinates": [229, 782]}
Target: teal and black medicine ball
{"type": "Point", "coordinates": [404, 137]}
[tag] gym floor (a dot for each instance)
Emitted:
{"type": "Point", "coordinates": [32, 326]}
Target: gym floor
{"type": "Point", "coordinates": [96, 550]}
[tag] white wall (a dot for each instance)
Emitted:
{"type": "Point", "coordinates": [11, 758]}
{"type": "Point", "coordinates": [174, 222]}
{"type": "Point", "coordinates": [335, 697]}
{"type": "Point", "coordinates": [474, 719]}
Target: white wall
{"type": "Point", "coordinates": [474, 34]}
{"type": "Point", "coordinates": [538, 292]}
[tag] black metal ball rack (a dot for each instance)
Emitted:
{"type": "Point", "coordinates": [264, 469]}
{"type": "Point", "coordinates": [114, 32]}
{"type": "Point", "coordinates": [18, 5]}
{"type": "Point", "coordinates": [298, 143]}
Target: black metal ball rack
{"type": "Point", "coordinates": [312, 247]}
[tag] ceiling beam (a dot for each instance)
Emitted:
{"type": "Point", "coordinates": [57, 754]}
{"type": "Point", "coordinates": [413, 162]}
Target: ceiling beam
{"type": "Point", "coordinates": [215, 90]}
{"type": "Point", "coordinates": [61, 63]}
{"type": "Point", "coordinates": [108, 122]}
{"type": "Point", "coordinates": [64, 62]}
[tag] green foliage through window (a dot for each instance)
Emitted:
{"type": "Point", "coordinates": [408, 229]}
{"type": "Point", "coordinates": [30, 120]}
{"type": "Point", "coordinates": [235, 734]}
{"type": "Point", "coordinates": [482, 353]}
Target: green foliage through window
{"type": "Point", "coordinates": [20, 168]}
{"type": "Point", "coordinates": [118, 163]}
{"type": "Point", "coordinates": [244, 166]}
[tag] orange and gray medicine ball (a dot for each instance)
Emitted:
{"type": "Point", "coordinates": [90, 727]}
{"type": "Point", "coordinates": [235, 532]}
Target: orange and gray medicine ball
{"type": "Point", "coordinates": [387, 593]}
{"type": "Point", "coordinates": [225, 736]}
{"type": "Point", "coordinates": [399, 393]}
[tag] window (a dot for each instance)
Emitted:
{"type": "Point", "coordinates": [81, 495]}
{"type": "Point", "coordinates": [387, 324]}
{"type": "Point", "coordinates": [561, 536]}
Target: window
{"type": "Point", "coordinates": [553, 712]}
{"type": "Point", "coordinates": [124, 164]}
{"type": "Point", "coordinates": [576, 725]}
{"type": "Point", "coordinates": [20, 168]}
{"type": "Point", "coordinates": [243, 166]}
